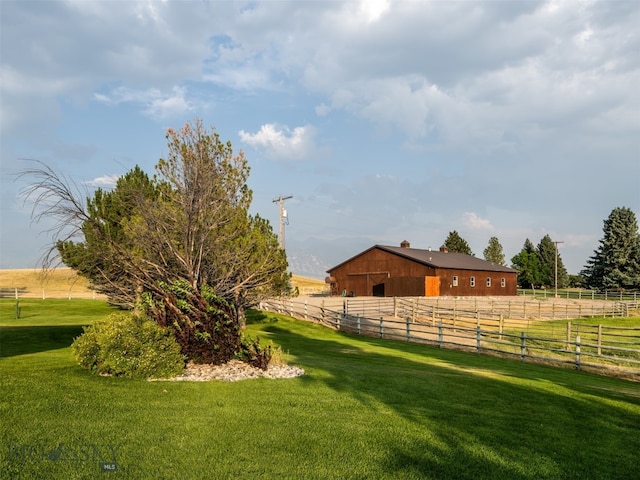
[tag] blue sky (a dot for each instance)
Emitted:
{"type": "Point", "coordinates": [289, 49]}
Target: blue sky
{"type": "Point", "coordinates": [384, 120]}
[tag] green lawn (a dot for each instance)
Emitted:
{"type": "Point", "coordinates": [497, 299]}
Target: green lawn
{"type": "Point", "coordinates": [366, 408]}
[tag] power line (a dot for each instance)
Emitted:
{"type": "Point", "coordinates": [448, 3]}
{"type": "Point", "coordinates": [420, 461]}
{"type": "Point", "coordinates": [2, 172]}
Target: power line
{"type": "Point", "coordinates": [283, 216]}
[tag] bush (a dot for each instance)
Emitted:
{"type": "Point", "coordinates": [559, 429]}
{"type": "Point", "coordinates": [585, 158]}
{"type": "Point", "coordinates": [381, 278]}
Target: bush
{"type": "Point", "coordinates": [254, 354]}
{"type": "Point", "coordinates": [129, 345]}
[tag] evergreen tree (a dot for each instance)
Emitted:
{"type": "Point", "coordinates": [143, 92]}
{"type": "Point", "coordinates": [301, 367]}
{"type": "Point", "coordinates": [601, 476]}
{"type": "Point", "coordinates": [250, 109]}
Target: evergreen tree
{"type": "Point", "coordinates": [547, 255]}
{"type": "Point", "coordinates": [95, 258]}
{"type": "Point", "coordinates": [616, 262]}
{"type": "Point", "coordinates": [455, 243]}
{"type": "Point", "coordinates": [493, 252]}
{"type": "Point", "coordinates": [527, 263]}
{"type": "Point", "coordinates": [181, 245]}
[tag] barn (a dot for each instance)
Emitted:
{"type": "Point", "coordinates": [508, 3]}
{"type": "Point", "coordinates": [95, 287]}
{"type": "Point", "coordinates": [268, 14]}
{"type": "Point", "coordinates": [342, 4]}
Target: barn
{"type": "Point", "coordinates": [387, 271]}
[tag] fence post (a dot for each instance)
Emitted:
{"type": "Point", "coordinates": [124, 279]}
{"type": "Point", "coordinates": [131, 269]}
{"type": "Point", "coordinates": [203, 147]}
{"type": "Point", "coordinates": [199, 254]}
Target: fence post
{"type": "Point", "coordinates": [455, 308]}
{"type": "Point", "coordinates": [408, 329]}
{"type": "Point", "coordinates": [433, 315]}
{"type": "Point", "coordinates": [478, 339]}
{"type": "Point", "coordinates": [477, 319]}
{"type": "Point", "coordinates": [569, 336]}
{"type": "Point", "coordinates": [291, 308]}
{"type": "Point", "coordinates": [395, 307]}
{"type": "Point", "coordinates": [413, 313]}
{"type": "Point", "coordinates": [381, 328]}
{"type": "Point", "coordinates": [305, 309]}
{"type": "Point", "coordinates": [440, 333]}
{"type": "Point", "coordinates": [322, 311]}
{"type": "Point", "coordinates": [501, 327]}
{"type": "Point", "coordinates": [523, 345]}
{"type": "Point", "coordinates": [577, 352]}
{"type": "Point", "coordinates": [599, 339]}
{"type": "Point", "coordinates": [338, 318]}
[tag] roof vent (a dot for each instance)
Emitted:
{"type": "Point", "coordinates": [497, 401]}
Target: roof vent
{"type": "Point", "coordinates": [405, 244]}
{"type": "Point", "coordinates": [443, 249]}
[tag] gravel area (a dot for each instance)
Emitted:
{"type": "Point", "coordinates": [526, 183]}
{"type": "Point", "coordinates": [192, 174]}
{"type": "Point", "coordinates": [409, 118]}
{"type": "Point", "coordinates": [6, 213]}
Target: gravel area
{"type": "Point", "coordinates": [234, 371]}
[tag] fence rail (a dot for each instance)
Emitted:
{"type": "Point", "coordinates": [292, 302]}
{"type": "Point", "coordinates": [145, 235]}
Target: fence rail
{"type": "Point", "coordinates": [409, 319]}
{"type": "Point", "coordinates": [580, 294]}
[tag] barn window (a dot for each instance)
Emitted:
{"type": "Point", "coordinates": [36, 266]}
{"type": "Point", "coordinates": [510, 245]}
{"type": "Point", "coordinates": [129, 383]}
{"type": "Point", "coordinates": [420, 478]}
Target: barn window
{"type": "Point", "coordinates": [455, 280]}
{"type": "Point", "coordinates": [503, 282]}
{"type": "Point", "coordinates": [472, 281]}
{"type": "Point", "coordinates": [488, 281]}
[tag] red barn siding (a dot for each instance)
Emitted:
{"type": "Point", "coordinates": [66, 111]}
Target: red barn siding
{"type": "Point", "coordinates": [394, 275]}
{"type": "Point", "coordinates": [373, 267]}
{"type": "Point", "coordinates": [464, 288]}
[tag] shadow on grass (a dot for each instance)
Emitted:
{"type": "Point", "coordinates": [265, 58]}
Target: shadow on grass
{"type": "Point", "coordinates": [478, 417]}
{"type": "Point", "coordinates": [33, 339]}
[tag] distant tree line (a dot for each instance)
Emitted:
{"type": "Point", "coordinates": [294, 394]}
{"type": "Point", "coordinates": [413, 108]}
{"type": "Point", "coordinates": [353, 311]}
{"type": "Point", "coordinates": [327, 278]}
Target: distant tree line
{"type": "Point", "coordinates": [615, 264]}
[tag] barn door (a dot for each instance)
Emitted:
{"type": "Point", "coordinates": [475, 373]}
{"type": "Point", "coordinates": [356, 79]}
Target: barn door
{"type": "Point", "coordinates": [378, 290]}
{"type": "Point", "coordinates": [432, 286]}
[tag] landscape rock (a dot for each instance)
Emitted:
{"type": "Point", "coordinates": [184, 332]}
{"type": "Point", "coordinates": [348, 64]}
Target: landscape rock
{"type": "Point", "coordinates": [234, 371]}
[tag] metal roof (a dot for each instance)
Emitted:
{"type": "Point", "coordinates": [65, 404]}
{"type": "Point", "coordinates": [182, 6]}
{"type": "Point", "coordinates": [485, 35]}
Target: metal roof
{"type": "Point", "coordinates": [438, 259]}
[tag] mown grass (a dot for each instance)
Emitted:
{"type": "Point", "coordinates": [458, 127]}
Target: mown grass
{"type": "Point", "coordinates": [622, 333]}
{"type": "Point", "coordinates": [366, 408]}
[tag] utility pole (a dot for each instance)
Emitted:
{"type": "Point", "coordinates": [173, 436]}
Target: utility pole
{"type": "Point", "coordinates": [283, 216]}
{"type": "Point", "coordinates": [555, 283]}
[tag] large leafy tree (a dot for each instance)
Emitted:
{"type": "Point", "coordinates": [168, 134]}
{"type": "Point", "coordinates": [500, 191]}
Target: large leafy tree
{"type": "Point", "coordinates": [527, 263]}
{"type": "Point", "coordinates": [494, 253]}
{"type": "Point", "coordinates": [546, 251]}
{"type": "Point", "coordinates": [455, 243]}
{"type": "Point", "coordinates": [616, 262]}
{"type": "Point", "coordinates": [182, 245]}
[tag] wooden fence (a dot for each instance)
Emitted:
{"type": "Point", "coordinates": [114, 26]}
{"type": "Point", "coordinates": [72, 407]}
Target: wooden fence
{"type": "Point", "coordinates": [613, 349]}
{"type": "Point", "coordinates": [581, 294]}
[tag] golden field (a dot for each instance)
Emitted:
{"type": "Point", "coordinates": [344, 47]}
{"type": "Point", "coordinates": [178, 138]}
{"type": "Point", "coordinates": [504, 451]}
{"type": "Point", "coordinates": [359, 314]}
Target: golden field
{"type": "Point", "coordinates": [65, 283]}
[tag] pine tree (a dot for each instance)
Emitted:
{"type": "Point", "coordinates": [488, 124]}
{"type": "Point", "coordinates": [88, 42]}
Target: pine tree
{"type": "Point", "coordinates": [455, 243]}
{"type": "Point", "coordinates": [616, 262]}
{"type": "Point", "coordinates": [547, 255]}
{"type": "Point", "coordinates": [527, 263]}
{"type": "Point", "coordinates": [494, 253]}
{"type": "Point", "coordinates": [182, 246]}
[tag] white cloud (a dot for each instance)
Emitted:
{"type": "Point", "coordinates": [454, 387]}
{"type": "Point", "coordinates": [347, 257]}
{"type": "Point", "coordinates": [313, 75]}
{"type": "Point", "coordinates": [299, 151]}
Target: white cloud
{"type": "Point", "coordinates": [472, 221]}
{"type": "Point", "coordinates": [170, 105]}
{"type": "Point", "coordinates": [156, 104]}
{"type": "Point", "coordinates": [281, 143]}
{"type": "Point", "coordinates": [108, 181]}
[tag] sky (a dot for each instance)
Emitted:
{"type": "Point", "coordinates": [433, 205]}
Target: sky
{"type": "Point", "coordinates": [385, 121]}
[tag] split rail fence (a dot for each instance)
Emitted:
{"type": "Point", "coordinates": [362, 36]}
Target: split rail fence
{"type": "Point", "coordinates": [507, 328]}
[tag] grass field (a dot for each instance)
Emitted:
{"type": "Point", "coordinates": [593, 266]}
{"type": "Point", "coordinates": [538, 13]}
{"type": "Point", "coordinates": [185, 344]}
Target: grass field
{"type": "Point", "coordinates": [366, 408]}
